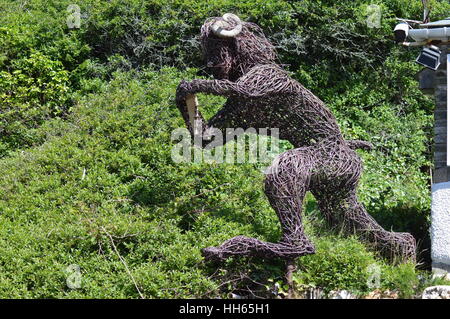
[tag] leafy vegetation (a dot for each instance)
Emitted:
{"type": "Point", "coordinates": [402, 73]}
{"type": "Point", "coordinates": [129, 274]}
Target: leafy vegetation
{"type": "Point", "coordinates": [86, 117]}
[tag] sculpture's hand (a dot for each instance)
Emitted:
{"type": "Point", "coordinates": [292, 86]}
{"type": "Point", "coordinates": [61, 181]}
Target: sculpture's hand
{"type": "Point", "coordinates": [221, 120]}
{"type": "Point", "coordinates": [187, 104]}
{"type": "Point", "coordinates": [183, 89]}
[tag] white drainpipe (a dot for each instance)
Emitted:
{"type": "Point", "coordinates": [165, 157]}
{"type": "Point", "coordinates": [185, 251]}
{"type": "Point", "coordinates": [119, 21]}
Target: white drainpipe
{"type": "Point", "coordinates": [440, 34]}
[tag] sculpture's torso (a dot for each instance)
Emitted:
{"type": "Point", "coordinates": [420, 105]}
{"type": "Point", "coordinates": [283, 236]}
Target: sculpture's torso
{"type": "Point", "coordinates": [277, 101]}
{"type": "Point", "coordinates": [283, 103]}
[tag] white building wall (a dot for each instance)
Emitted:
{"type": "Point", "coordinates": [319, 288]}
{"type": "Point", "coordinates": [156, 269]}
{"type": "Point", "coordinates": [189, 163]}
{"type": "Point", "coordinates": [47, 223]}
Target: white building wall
{"type": "Point", "coordinates": [440, 225]}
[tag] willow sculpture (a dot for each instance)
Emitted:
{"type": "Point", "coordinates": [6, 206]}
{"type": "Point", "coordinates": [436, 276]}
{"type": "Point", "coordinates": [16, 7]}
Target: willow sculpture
{"type": "Point", "coordinates": [261, 94]}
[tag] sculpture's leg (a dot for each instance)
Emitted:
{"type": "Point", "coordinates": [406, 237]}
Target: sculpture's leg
{"type": "Point", "coordinates": [345, 211]}
{"type": "Point", "coordinates": [285, 187]}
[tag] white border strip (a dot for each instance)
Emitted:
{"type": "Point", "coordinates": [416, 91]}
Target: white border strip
{"type": "Point", "coordinates": [448, 109]}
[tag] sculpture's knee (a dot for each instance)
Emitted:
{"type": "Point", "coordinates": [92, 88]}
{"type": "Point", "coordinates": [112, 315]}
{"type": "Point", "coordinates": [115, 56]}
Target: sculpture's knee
{"type": "Point", "coordinates": [290, 171]}
{"type": "Point", "coordinates": [275, 176]}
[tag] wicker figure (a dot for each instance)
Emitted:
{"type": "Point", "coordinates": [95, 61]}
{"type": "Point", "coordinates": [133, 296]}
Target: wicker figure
{"type": "Point", "coordinates": [261, 94]}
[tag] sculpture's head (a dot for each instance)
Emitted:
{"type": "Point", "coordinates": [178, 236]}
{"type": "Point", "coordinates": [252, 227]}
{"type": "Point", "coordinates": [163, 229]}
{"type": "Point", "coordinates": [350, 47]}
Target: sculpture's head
{"type": "Point", "coordinates": [231, 47]}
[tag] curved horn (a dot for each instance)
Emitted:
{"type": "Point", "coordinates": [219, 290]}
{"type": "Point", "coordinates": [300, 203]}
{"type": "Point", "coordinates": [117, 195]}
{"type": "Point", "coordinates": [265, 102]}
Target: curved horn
{"type": "Point", "coordinates": [218, 28]}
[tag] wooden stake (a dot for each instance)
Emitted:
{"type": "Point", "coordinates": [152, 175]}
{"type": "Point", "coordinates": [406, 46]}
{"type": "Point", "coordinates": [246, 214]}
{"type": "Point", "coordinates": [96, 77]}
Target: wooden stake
{"type": "Point", "coordinates": [290, 268]}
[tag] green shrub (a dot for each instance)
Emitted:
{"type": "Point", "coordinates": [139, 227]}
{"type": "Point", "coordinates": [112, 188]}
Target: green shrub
{"type": "Point", "coordinates": [340, 263]}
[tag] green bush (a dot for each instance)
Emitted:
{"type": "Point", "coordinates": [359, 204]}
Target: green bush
{"type": "Point", "coordinates": [339, 263]}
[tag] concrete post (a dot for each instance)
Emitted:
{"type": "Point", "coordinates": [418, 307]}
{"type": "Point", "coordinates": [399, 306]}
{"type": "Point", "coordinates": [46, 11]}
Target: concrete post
{"type": "Point", "coordinates": [440, 189]}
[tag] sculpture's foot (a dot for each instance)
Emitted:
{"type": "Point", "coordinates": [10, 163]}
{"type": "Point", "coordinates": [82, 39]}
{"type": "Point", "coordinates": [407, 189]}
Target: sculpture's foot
{"type": "Point", "coordinates": [400, 248]}
{"type": "Point", "coordinates": [407, 248]}
{"type": "Point", "coordinates": [251, 247]}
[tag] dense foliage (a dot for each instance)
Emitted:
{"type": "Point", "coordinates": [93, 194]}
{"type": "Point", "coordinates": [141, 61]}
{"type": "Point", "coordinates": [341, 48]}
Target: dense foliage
{"type": "Point", "coordinates": [87, 178]}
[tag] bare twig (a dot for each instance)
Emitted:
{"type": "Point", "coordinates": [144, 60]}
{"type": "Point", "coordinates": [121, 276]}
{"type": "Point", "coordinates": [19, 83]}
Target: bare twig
{"type": "Point", "coordinates": [123, 262]}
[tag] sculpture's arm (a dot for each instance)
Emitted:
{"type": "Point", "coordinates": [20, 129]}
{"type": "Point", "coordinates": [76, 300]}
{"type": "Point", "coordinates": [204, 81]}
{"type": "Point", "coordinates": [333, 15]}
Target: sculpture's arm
{"type": "Point", "coordinates": [223, 118]}
{"type": "Point", "coordinates": [256, 83]}
{"type": "Point", "coordinates": [217, 87]}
